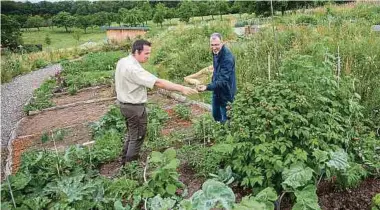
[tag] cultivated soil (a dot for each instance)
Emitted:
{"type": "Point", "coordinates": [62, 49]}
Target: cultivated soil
{"type": "Point", "coordinates": [75, 120]}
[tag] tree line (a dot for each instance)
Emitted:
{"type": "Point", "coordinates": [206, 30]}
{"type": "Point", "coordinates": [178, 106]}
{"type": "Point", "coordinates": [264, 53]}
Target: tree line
{"type": "Point", "coordinates": [44, 13]}
{"type": "Point", "coordinates": [86, 14]}
{"type": "Point", "coordinates": [46, 8]}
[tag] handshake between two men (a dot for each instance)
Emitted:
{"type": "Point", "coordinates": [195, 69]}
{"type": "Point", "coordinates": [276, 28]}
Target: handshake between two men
{"type": "Point", "coordinates": [132, 80]}
{"type": "Point", "coordinates": [190, 91]}
{"type": "Point", "coordinates": [199, 77]}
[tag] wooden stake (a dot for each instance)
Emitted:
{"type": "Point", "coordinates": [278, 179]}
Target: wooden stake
{"type": "Point", "coordinates": [56, 152]}
{"type": "Point", "coordinates": [338, 66]}
{"type": "Point", "coordinates": [269, 66]}
{"type": "Point", "coordinates": [10, 190]}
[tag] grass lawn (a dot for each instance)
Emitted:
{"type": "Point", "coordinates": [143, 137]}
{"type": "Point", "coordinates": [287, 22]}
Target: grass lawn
{"type": "Point", "coordinates": [61, 39]}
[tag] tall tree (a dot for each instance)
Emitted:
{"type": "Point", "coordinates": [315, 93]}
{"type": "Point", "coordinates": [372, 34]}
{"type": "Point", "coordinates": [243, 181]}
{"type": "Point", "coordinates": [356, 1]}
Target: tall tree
{"type": "Point", "coordinates": [46, 7]}
{"type": "Point", "coordinates": [10, 32]}
{"type": "Point", "coordinates": [185, 11]}
{"type": "Point", "coordinates": [195, 9]}
{"type": "Point", "coordinates": [82, 8]}
{"type": "Point", "coordinates": [120, 15]}
{"type": "Point", "coordinates": [64, 6]}
{"type": "Point", "coordinates": [203, 9]}
{"type": "Point", "coordinates": [237, 7]}
{"type": "Point", "coordinates": [35, 22]}
{"type": "Point", "coordinates": [21, 19]}
{"type": "Point", "coordinates": [49, 22]}
{"type": "Point", "coordinates": [159, 15]}
{"type": "Point", "coordinates": [64, 19]}
{"type": "Point", "coordinates": [83, 22]}
{"type": "Point", "coordinates": [100, 19]}
{"type": "Point", "coordinates": [113, 17]}
{"type": "Point", "coordinates": [139, 16]}
{"type": "Point", "coordinates": [170, 14]}
{"type": "Point", "coordinates": [129, 16]}
{"type": "Point", "coordinates": [213, 8]}
{"type": "Point", "coordinates": [222, 8]}
{"type": "Point", "coordinates": [264, 8]}
{"type": "Point", "coordinates": [147, 11]}
{"type": "Point", "coordinates": [248, 6]}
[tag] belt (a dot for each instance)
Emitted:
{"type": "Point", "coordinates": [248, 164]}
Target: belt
{"type": "Point", "coordinates": [130, 104]}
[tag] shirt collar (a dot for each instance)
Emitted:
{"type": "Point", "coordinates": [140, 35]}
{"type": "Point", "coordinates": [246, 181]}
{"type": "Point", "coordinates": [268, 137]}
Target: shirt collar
{"type": "Point", "coordinates": [134, 60]}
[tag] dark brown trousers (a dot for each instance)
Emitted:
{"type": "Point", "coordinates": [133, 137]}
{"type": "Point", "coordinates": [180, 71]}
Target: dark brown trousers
{"type": "Point", "coordinates": [136, 121]}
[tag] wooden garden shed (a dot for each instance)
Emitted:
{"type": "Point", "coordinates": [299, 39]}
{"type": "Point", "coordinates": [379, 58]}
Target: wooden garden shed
{"type": "Point", "coordinates": [118, 34]}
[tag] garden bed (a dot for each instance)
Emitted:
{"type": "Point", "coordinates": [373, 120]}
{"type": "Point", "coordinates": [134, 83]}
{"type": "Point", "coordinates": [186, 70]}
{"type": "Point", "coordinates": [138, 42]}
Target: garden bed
{"type": "Point", "coordinates": [359, 198]}
{"type": "Point", "coordinates": [72, 120]}
{"type": "Point", "coordinates": [89, 94]}
{"type": "Point", "coordinates": [71, 135]}
{"type": "Point", "coordinates": [59, 118]}
{"type": "Point", "coordinates": [72, 116]}
{"type": "Point", "coordinates": [330, 197]}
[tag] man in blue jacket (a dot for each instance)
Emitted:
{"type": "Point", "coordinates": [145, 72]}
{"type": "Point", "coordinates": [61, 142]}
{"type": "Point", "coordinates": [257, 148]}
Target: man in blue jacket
{"type": "Point", "coordinates": [223, 82]}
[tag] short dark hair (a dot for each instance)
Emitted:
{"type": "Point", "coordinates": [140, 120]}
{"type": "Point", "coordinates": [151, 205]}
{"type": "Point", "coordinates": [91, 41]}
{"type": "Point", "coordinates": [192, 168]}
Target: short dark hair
{"type": "Point", "coordinates": [138, 45]}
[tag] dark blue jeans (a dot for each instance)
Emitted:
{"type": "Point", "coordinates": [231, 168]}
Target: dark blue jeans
{"type": "Point", "coordinates": [219, 110]}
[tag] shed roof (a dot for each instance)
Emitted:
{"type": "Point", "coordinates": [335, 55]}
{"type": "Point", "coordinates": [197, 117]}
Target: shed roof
{"type": "Point", "coordinates": [126, 28]}
{"type": "Point", "coordinates": [376, 27]}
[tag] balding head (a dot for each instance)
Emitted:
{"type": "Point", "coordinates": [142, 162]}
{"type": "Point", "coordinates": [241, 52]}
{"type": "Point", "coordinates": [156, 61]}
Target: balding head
{"type": "Point", "coordinates": [216, 36]}
{"type": "Point", "coordinates": [216, 42]}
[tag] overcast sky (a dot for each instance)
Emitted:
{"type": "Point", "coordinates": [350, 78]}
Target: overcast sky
{"type": "Point", "coordinates": [34, 1]}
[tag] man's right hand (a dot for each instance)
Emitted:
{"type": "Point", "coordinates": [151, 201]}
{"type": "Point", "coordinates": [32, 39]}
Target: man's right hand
{"type": "Point", "coordinates": [167, 85]}
{"type": "Point", "coordinates": [188, 91]}
{"type": "Point", "coordinates": [201, 88]}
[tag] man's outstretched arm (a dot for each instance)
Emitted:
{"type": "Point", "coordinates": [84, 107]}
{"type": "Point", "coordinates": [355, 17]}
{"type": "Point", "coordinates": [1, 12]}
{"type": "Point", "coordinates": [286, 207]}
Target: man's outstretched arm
{"type": "Point", "coordinates": [167, 85]}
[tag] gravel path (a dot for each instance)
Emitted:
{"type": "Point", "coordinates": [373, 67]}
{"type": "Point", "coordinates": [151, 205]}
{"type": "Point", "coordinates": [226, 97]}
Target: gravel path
{"type": "Point", "coordinates": [16, 93]}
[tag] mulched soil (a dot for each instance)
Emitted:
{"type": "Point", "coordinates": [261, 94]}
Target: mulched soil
{"type": "Point", "coordinates": [330, 197]}
{"type": "Point", "coordinates": [73, 121]}
{"type": "Point", "coordinates": [196, 111]}
{"type": "Point", "coordinates": [162, 101]}
{"type": "Point", "coordinates": [53, 119]}
{"type": "Point", "coordinates": [72, 135]}
{"type": "Point", "coordinates": [110, 169]}
{"type": "Point", "coordinates": [188, 177]}
{"type": "Point", "coordinates": [359, 198]}
{"type": "Point", "coordinates": [175, 123]}
{"type": "Point", "coordinates": [102, 92]}
{"type": "Point", "coordinates": [240, 192]}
